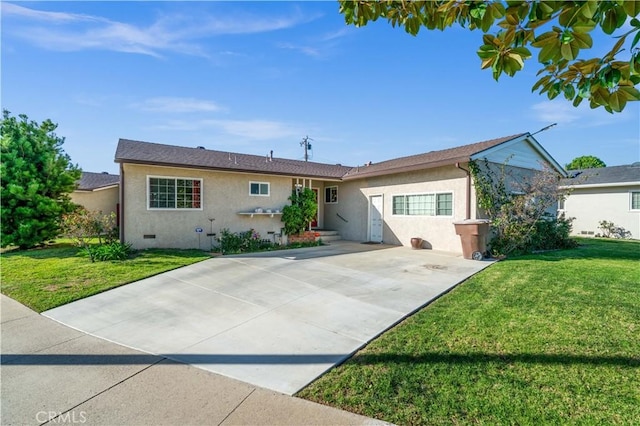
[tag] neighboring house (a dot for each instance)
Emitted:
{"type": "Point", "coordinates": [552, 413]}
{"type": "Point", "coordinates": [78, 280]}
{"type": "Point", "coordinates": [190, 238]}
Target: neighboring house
{"type": "Point", "coordinates": [98, 191]}
{"type": "Point", "coordinates": [608, 193]}
{"type": "Point", "coordinates": [174, 196]}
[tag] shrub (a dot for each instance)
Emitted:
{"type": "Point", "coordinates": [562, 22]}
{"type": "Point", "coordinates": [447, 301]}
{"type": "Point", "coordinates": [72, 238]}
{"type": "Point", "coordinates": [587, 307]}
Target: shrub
{"type": "Point", "coordinates": [300, 213]}
{"type": "Point", "coordinates": [104, 252]}
{"type": "Point", "coordinates": [611, 230]}
{"type": "Point", "coordinates": [242, 242]}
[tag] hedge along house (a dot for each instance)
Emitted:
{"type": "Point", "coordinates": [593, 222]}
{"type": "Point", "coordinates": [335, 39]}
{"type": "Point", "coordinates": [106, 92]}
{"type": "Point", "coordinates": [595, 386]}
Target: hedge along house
{"type": "Point", "coordinates": [178, 197]}
{"type": "Point", "coordinates": [98, 192]}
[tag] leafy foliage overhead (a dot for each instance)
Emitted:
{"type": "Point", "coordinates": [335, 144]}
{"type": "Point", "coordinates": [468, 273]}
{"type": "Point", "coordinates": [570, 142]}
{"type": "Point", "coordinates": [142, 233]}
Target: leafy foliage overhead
{"type": "Point", "coordinates": [586, 162]}
{"type": "Point", "coordinates": [37, 178]}
{"type": "Point", "coordinates": [560, 31]}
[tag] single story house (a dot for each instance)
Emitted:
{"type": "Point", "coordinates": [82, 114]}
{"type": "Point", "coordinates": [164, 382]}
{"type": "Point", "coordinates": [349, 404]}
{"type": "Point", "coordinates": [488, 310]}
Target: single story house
{"type": "Point", "coordinates": [98, 192]}
{"type": "Point", "coordinates": [173, 196]}
{"type": "Point", "coordinates": [608, 193]}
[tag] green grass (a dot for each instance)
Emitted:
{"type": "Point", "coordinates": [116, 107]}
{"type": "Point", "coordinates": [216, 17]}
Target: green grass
{"type": "Point", "coordinates": [54, 275]}
{"type": "Point", "coordinates": [552, 338]}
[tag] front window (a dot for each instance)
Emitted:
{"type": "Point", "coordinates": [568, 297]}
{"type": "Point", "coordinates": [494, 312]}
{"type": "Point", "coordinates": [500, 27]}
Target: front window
{"type": "Point", "coordinates": [259, 188]}
{"type": "Point", "coordinates": [635, 200]}
{"type": "Point", "coordinates": [174, 193]}
{"type": "Point", "coordinates": [331, 195]}
{"type": "Point", "coordinates": [423, 204]}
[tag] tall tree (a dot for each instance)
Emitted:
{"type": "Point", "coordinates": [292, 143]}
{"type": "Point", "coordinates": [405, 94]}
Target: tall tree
{"type": "Point", "coordinates": [37, 178]}
{"type": "Point", "coordinates": [559, 30]}
{"type": "Point", "coordinates": [585, 162]}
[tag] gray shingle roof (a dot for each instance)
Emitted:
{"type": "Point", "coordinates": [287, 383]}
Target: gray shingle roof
{"type": "Point", "coordinates": [427, 160]}
{"type": "Point", "coordinates": [138, 152]}
{"type": "Point", "coordinates": [604, 175]}
{"type": "Point", "coordinates": [129, 151]}
{"type": "Point", "coordinates": [90, 181]}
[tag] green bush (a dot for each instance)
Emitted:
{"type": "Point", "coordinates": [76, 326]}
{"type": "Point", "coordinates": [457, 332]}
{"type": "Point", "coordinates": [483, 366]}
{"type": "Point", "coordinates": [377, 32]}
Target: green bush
{"type": "Point", "coordinates": [550, 233]}
{"type": "Point", "coordinates": [242, 242]}
{"type": "Point", "coordinates": [297, 216]}
{"type": "Point", "coordinates": [110, 251]}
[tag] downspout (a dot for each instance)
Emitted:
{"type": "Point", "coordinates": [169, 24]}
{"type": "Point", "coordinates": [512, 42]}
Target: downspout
{"type": "Point", "coordinates": [121, 224]}
{"type": "Point", "coordinates": [468, 173]}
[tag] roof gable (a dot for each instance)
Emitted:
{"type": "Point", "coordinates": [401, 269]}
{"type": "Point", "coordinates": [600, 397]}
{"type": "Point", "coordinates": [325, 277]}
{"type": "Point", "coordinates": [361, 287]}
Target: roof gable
{"type": "Point", "coordinates": [523, 151]}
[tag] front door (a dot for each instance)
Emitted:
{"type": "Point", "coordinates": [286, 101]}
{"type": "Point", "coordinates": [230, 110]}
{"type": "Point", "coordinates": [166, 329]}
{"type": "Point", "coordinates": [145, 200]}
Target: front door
{"type": "Point", "coordinates": [314, 222]}
{"type": "Point", "coordinates": [375, 218]}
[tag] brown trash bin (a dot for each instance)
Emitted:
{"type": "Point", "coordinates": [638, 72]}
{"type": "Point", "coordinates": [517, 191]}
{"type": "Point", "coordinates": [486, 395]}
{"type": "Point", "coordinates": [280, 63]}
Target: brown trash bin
{"type": "Point", "coordinates": [473, 236]}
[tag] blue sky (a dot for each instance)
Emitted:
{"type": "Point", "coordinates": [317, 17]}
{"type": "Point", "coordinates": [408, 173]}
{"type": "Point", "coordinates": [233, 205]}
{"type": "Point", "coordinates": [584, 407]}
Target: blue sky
{"type": "Point", "coordinates": [252, 77]}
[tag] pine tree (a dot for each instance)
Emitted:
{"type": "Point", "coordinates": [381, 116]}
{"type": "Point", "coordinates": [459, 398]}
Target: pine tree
{"type": "Point", "coordinates": [37, 178]}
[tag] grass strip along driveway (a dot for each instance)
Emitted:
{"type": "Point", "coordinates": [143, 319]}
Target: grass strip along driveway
{"type": "Point", "coordinates": [552, 338]}
{"type": "Point", "coordinates": [47, 277]}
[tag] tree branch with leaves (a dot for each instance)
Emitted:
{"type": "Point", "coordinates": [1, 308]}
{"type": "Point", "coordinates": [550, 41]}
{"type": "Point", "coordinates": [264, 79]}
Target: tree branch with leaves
{"type": "Point", "coordinates": [560, 31]}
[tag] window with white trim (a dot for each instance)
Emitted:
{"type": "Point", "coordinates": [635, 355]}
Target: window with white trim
{"type": "Point", "coordinates": [635, 200]}
{"type": "Point", "coordinates": [174, 193]}
{"type": "Point", "coordinates": [331, 195]}
{"type": "Point", "coordinates": [439, 204]}
{"type": "Point", "coordinates": [261, 189]}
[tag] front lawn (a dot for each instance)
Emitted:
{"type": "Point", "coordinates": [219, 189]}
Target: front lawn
{"type": "Point", "coordinates": [52, 276]}
{"type": "Point", "coordinates": [552, 338]}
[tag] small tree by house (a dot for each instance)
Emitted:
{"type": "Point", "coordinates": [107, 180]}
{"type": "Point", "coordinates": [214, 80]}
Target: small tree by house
{"type": "Point", "coordinates": [300, 213]}
{"type": "Point", "coordinates": [585, 162]}
{"type": "Point", "coordinates": [521, 208]}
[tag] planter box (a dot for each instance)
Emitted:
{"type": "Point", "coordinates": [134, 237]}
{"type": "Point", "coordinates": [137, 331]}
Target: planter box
{"type": "Point", "coordinates": [305, 237]}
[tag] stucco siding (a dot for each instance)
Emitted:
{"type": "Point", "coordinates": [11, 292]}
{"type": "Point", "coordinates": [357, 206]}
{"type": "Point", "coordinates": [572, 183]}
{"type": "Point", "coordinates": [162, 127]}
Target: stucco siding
{"type": "Point", "coordinates": [438, 232]}
{"type": "Point", "coordinates": [104, 200]}
{"type": "Point", "coordinates": [224, 195]}
{"type": "Point", "coordinates": [589, 206]}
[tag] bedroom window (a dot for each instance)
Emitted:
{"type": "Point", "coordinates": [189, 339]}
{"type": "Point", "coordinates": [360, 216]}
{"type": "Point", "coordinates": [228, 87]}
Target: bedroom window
{"type": "Point", "coordinates": [174, 193]}
{"type": "Point", "coordinates": [259, 188]}
{"type": "Point", "coordinates": [331, 195]}
{"type": "Point", "coordinates": [635, 200]}
{"type": "Point", "coordinates": [423, 204]}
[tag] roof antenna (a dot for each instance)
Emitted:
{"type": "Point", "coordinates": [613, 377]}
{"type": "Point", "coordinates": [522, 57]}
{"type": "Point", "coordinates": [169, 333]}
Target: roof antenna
{"type": "Point", "coordinates": [544, 128]}
{"type": "Point", "coordinates": [307, 147]}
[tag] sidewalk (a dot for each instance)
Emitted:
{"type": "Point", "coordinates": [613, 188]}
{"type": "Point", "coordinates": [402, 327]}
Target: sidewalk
{"type": "Point", "coordinates": [54, 373]}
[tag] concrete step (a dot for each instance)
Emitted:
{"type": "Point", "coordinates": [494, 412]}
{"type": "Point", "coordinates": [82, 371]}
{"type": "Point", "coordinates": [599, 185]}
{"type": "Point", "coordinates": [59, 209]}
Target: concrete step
{"type": "Point", "coordinates": [328, 234]}
{"type": "Point", "coordinates": [330, 238]}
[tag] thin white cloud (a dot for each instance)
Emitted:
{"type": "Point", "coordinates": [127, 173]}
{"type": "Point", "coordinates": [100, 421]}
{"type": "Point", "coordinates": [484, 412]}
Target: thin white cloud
{"type": "Point", "coordinates": [60, 31]}
{"type": "Point", "coordinates": [176, 105]}
{"type": "Point", "coordinates": [247, 129]}
{"type": "Point", "coordinates": [307, 50]}
{"type": "Point", "coordinates": [562, 111]}
{"type": "Point", "coordinates": [555, 112]}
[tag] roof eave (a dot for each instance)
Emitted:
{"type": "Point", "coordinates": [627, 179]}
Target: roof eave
{"type": "Point", "coordinates": [227, 170]}
{"type": "Point", "coordinates": [405, 169]}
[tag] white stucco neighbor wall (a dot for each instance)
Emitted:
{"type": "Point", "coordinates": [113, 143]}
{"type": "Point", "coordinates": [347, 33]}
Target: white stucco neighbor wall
{"type": "Point", "coordinates": [589, 206]}
{"type": "Point", "coordinates": [438, 232]}
{"type": "Point", "coordinates": [224, 195]}
{"type": "Point", "coordinates": [103, 200]}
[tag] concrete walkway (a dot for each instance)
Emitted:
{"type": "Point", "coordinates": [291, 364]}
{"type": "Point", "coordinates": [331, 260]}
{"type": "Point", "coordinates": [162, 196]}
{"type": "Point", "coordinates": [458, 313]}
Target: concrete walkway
{"type": "Point", "coordinates": [275, 320]}
{"type": "Point", "coordinates": [56, 375]}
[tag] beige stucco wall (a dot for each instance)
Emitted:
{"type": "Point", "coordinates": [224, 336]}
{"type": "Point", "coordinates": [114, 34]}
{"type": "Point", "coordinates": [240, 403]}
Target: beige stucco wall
{"type": "Point", "coordinates": [438, 232]}
{"type": "Point", "coordinates": [223, 196]}
{"type": "Point", "coordinates": [589, 206]}
{"type": "Point", "coordinates": [104, 200]}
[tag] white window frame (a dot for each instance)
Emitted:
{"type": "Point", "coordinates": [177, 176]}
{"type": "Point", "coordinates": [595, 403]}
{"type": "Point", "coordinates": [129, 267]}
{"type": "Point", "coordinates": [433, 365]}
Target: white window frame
{"type": "Point", "coordinates": [175, 178]}
{"type": "Point", "coordinates": [435, 194]}
{"type": "Point", "coordinates": [268, 194]}
{"type": "Point", "coordinates": [325, 194]}
{"type": "Point", "coordinates": [631, 201]}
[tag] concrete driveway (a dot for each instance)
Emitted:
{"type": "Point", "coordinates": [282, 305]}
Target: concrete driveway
{"type": "Point", "coordinates": [277, 320]}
